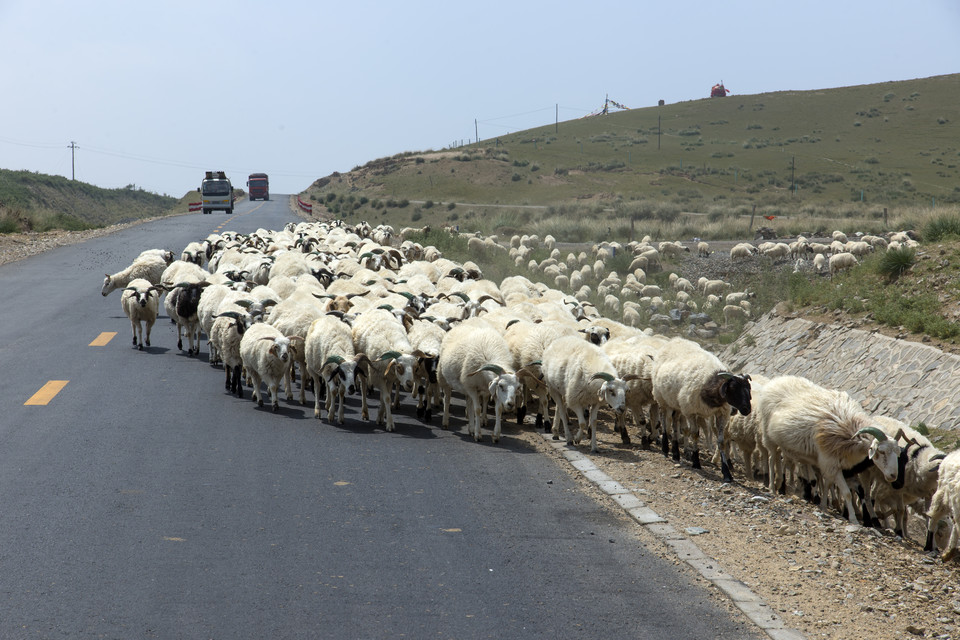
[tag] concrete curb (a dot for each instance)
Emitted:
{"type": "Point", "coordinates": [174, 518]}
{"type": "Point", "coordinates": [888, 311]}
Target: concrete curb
{"type": "Point", "coordinates": [752, 606]}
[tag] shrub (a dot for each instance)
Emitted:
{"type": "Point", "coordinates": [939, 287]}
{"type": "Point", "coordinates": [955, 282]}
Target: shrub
{"type": "Point", "coordinates": [516, 177]}
{"type": "Point", "coordinates": [895, 263]}
{"type": "Point", "coordinates": [941, 227]}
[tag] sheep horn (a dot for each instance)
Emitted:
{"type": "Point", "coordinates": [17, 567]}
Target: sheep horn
{"type": "Point", "coordinates": [294, 338]}
{"type": "Point", "coordinates": [461, 295]}
{"type": "Point", "coordinates": [385, 306]}
{"type": "Point", "coordinates": [269, 302]}
{"type": "Point", "coordinates": [334, 359]}
{"type": "Point", "coordinates": [497, 369]}
{"type": "Point", "coordinates": [512, 322]}
{"type": "Point", "coordinates": [602, 376]}
{"type": "Point", "coordinates": [725, 375]}
{"type": "Point", "coordinates": [873, 431]}
{"type": "Point", "coordinates": [228, 314]}
{"type": "Point", "coordinates": [630, 377]}
{"type": "Point", "coordinates": [390, 355]}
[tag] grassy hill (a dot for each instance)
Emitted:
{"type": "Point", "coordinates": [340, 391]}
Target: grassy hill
{"type": "Point", "coordinates": [810, 156]}
{"type": "Point", "coordinates": [39, 202]}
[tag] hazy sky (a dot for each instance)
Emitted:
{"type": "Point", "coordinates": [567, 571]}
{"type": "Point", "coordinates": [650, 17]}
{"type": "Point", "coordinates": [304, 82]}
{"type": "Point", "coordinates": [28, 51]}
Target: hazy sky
{"type": "Point", "coordinates": [153, 93]}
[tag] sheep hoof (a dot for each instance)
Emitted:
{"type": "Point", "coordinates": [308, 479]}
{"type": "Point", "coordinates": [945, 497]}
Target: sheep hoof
{"type": "Point", "coordinates": [259, 402]}
{"type": "Point", "coordinates": [949, 555]}
{"type": "Point", "coordinates": [644, 442]}
{"type": "Point", "coordinates": [427, 415]}
{"type": "Point", "coordinates": [556, 437]}
{"type": "Point", "coordinates": [624, 436]}
{"type": "Point", "coordinates": [276, 408]}
{"type": "Point", "coordinates": [140, 347]}
{"type": "Point", "coordinates": [148, 342]}
{"type": "Point", "coordinates": [239, 392]}
{"type": "Point", "coordinates": [539, 423]}
{"type": "Point", "coordinates": [929, 544]}
{"type": "Point", "coordinates": [421, 411]}
{"type": "Point", "coordinates": [695, 460]}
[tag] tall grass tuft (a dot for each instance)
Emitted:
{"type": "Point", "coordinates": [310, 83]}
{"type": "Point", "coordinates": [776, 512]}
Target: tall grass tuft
{"type": "Point", "coordinates": [940, 227]}
{"type": "Point", "coordinates": [893, 264]}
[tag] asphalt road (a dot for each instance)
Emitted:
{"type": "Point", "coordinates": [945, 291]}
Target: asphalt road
{"type": "Point", "coordinates": [142, 501]}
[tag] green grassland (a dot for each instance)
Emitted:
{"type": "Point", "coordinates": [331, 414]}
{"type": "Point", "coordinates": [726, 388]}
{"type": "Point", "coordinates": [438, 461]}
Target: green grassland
{"type": "Point", "coordinates": [39, 202]}
{"type": "Point", "coordinates": [832, 154]}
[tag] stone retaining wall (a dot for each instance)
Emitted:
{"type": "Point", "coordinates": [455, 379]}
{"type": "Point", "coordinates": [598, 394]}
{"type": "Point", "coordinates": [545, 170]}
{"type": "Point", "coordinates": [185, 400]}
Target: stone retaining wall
{"type": "Point", "coordinates": [905, 380]}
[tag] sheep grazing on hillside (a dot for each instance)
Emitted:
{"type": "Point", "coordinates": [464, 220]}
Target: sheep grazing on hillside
{"type": "Point", "coordinates": [691, 382]}
{"type": "Point", "coordinates": [842, 262]}
{"type": "Point", "coordinates": [140, 302]}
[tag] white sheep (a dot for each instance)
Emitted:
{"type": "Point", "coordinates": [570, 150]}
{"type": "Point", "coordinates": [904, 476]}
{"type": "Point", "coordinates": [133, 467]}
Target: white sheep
{"type": "Point", "coordinates": [703, 249]}
{"type": "Point", "coordinates": [634, 356]}
{"type": "Point", "coordinates": [841, 262]}
{"type": "Point", "coordinates": [225, 335]}
{"type": "Point", "coordinates": [580, 377]}
{"type": "Point", "coordinates": [742, 251]}
{"type": "Point", "coordinates": [476, 361]}
{"type": "Point", "coordinates": [803, 423]}
{"type": "Point", "coordinates": [378, 334]}
{"type": "Point", "coordinates": [331, 361]}
{"type": "Point", "coordinates": [945, 501]}
{"type": "Point", "coordinates": [266, 353]}
{"type": "Point", "coordinates": [693, 383]}
{"type": "Point", "coordinates": [734, 314]}
{"type": "Point", "coordinates": [819, 262]}
{"type": "Point", "coordinates": [149, 266]}
{"type": "Point", "coordinates": [293, 317]}
{"type": "Point", "coordinates": [141, 302]}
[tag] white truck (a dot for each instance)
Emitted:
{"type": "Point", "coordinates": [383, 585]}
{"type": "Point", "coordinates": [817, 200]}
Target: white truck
{"type": "Point", "coordinates": [216, 192]}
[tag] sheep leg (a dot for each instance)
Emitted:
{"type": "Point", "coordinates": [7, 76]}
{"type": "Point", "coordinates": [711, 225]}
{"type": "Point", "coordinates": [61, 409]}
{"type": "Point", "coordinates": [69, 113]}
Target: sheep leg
{"type": "Point", "coordinates": [316, 399]}
{"type": "Point", "coordinates": [693, 432]}
{"type": "Point", "coordinates": [228, 385]}
{"type": "Point", "coordinates": [341, 400]}
{"type": "Point", "coordinates": [621, 426]}
{"type": "Point", "coordinates": [275, 396]}
{"type": "Point", "coordinates": [364, 409]}
{"type": "Point", "coordinates": [725, 466]}
{"type": "Point", "coordinates": [592, 424]}
{"type": "Point", "coordinates": [237, 384]}
{"type": "Point", "coordinates": [149, 324]}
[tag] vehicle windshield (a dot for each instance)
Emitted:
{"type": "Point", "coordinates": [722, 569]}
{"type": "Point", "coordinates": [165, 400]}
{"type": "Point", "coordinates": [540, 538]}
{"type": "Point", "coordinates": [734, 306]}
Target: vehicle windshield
{"type": "Point", "coordinates": [216, 188]}
{"type": "Point", "coordinates": [258, 182]}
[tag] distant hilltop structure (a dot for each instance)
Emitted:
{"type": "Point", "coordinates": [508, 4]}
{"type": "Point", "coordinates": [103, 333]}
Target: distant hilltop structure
{"type": "Point", "coordinates": [605, 109]}
{"type": "Point", "coordinates": [719, 91]}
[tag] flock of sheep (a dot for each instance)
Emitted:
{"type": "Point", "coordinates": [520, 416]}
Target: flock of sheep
{"type": "Point", "coordinates": [350, 311]}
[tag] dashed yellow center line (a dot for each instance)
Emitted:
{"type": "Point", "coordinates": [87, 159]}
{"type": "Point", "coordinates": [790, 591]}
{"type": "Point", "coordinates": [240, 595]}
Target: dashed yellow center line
{"type": "Point", "coordinates": [103, 339]}
{"type": "Point", "coordinates": [46, 393]}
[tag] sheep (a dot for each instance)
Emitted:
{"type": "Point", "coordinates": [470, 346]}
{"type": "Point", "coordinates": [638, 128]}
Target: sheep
{"type": "Point", "coordinates": [477, 362]}
{"type": "Point", "coordinates": [809, 425]}
{"type": "Point", "coordinates": [741, 251]}
{"type": "Point", "coordinates": [293, 318]}
{"type": "Point", "coordinates": [141, 302]}
{"type": "Point", "coordinates": [778, 251]}
{"type": "Point", "coordinates": [634, 356]}
{"type": "Point", "coordinates": [694, 383]}
{"type": "Point", "coordinates": [703, 249]}
{"type": "Point", "coordinates": [839, 236]}
{"type": "Point", "coordinates": [426, 337]}
{"type": "Point", "coordinates": [733, 314]}
{"type": "Point", "coordinates": [580, 377]}
{"type": "Point", "coordinates": [917, 467]}
{"type": "Point", "coordinates": [148, 266]}
{"type": "Point", "coordinates": [182, 304]}
{"type": "Point", "coordinates": [330, 360]}
{"type": "Point", "coordinates": [715, 287]}
{"type": "Point", "coordinates": [819, 262]}
{"type": "Point", "coordinates": [225, 335]}
{"type": "Point", "coordinates": [379, 335]}
{"type": "Point", "coordinates": [744, 430]}
{"type": "Point", "coordinates": [841, 262]}
{"type": "Point", "coordinates": [265, 353]}
{"type": "Point", "coordinates": [946, 500]}
{"type": "Point", "coordinates": [527, 341]}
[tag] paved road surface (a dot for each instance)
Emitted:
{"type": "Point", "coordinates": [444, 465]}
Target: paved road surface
{"type": "Point", "coordinates": [142, 501]}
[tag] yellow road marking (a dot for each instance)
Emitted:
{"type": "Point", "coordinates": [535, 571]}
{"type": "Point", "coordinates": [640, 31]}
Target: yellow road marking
{"type": "Point", "coordinates": [103, 339]}
{"type": "Point", "coordinates": [174, 539]}
{"type": "Point", "coordinates": [46, 393]}
{"type": "Point", "coordinates": [341, 483]}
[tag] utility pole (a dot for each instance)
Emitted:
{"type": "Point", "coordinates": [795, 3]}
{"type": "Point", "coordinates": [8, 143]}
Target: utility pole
{"type": "Point", "coordinates": [476, 130]}
{"type": "Point", "coordinates": [73, 159]}
{"type": "Point", "coordinates": [556, 126]}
